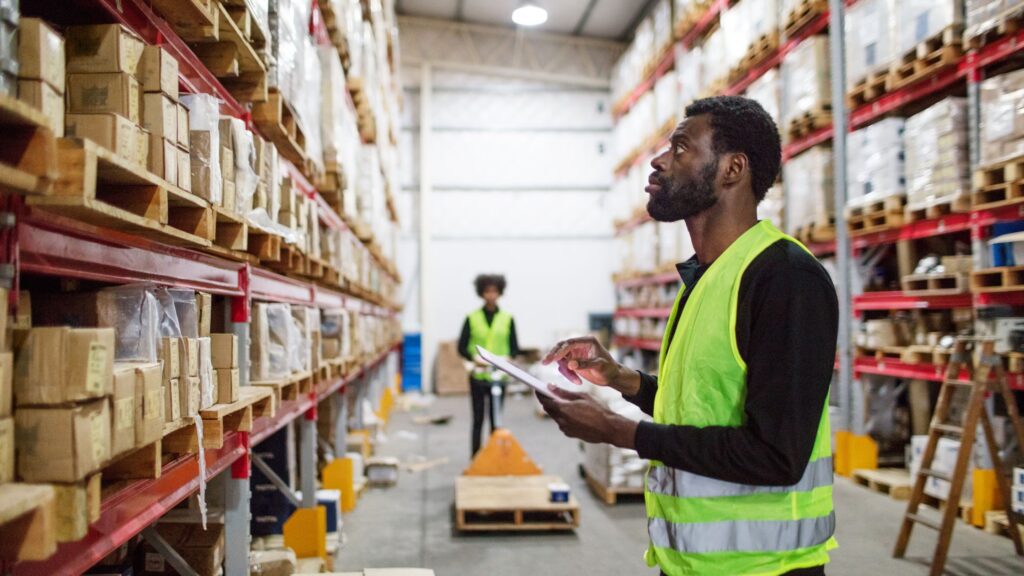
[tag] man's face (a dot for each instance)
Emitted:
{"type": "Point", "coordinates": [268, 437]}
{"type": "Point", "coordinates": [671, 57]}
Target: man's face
{"type": "Point", "coordinates": [683, 182]}
{"type": "Point", "coordinates": [491, 295]}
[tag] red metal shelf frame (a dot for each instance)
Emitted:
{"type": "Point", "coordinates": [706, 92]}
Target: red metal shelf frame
{"type": "Point", "coordinates": [643, 312]}
{"type": "Point", "coordinates": [821, 249]}
{"type": "Point", "coordinates": [929, 372]}
{"type": "Point", "coordinates": [992, 299]}
{"type": "Point", "coordinates": [638, 343]}
{"type": "Point", "coordinates": [873, 301]}
{"type": "Point", "coordinates": [800, 145]}
{"type": "Point", "coordinates": [666, 278]}
{"type": "Point", "coordinates": [949, 224]}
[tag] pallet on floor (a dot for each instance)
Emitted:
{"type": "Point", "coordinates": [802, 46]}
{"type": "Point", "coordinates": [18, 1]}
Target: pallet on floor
{"type": "Point", "coordinates": [1002, 279]}
{"type": "Point", "coordinates": [808, 11]}
{"type": "Point", "coordinates": [964, 510]}
{"type": "Point", "coordinates": [277, 120]}
{"type": "Point", "coordinates": [996, 522]}
{"type": "Point", "coordinates": [933, 55]}
{"type": "Point", "coordinates": [997, 185]}
{"type": "Point", "coordinates": [959, 203]}
{"type": "Point", "coordinates": [871, 88]}
{"type": "Point", "coordinates": [100, 187]}
{"type": "Point", "coordinates": [511, 503]}
{"type": "Point", "coordinates": [876, 215]}
{"type": "Point", "coordinates": [808, 122]}
{"type": "Point", "coordinates": [609, 494]}
{"type": "Point", "coordinates": [895, 482]}
{"type": "Point", "coordinates": [943, 284]}
{"type": "Point", "coordinates": [28, 154]}
{"type": "Point", "coordinates": [28, 521]}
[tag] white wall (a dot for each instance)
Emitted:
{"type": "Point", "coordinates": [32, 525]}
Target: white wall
{"type": "Point", "coordinates": [521, 174]}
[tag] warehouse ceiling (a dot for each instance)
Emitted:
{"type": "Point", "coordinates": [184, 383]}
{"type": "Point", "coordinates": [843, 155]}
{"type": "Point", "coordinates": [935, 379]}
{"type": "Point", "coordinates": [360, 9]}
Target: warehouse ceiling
{"type": "Point", "coordinates": [610, 19]}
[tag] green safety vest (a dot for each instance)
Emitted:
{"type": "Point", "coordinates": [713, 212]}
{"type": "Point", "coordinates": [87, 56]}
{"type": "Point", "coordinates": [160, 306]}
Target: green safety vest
{"type": "Point", "coordinates": [700, 525]}
{"type": "Point", "coordinates": [494, 337]}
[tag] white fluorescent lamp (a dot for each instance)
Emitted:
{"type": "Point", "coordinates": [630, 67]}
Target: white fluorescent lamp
{"type": "Point", "coordinates": [529, 14]}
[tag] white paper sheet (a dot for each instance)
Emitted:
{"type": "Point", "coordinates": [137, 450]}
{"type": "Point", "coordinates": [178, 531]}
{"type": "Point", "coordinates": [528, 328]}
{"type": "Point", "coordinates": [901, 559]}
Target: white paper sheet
{"type": "Point", "coordinates": [514, 371]}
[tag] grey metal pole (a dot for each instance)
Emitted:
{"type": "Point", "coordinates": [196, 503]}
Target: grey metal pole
{"type": "Point", "coordinates": [307, 461]}
{"type": "Point", "coordinates": [837, 49]}
{"type": "Point", "coordinates": [237, 490]}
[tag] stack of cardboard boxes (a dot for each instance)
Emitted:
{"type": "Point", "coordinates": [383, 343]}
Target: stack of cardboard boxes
{"type": "Point", "coordinates": [165, 118]}
{"type": "Point", "coordinates": [41, 70]}
{"type": "Point", "coordinates": [225, 365]}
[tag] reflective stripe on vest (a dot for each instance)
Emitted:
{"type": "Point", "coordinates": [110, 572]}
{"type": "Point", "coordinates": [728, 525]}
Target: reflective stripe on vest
{"type": "Point", "coordinates": [673, 482]}
{"type": "Point", "coordinates": [742, 535]}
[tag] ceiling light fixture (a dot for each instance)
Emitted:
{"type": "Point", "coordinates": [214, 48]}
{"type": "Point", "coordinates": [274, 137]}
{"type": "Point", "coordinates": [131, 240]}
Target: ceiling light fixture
{"type": "Point", "coordinates": [529, 14]}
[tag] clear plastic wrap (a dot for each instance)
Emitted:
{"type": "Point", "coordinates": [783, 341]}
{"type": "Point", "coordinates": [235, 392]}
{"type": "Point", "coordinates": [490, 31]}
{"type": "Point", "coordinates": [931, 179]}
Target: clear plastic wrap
{"type": "Point", "coordinates": [207, 382]}
{"type": "Point", "coordinates": [985, 15]}
{"type": "Point", "coordinates": [715, 52]}
{"type": "Point", "coordinates": [204, 145]}
{"type": "Point", "coordinates": [187, 311]}
{"type": "Point", "coordinates": [281, 345]}
{"type": "Point", "coordinates": [805, 79]}
{"type": "Point", "coordinates": [134, 314]}
{"type": "Point", "coordinates": [937, 157]}
{"type": "Point", "coordinates": [870, 39]}
{"type": "Point", "coordinates": [689, 73]}
{"type": "Point", "coordinates": [661, 26]}
{"type": "Point", "coordinates": [875, 162]}
{"type": "Point", "coordinates": [246, 178]}
{"type": "Point", "coordinates": [309, 97]}
{"type": "Point", "coordinates": [767, 91]}
{"type": "Point", "coordinates": [666, 100]}
{"type": "Point", "coordinates": [808, 184]}
{"type": "Point", "coordinates": [737, 27]}
{"type": "Point", "coordinates": [919, 20]}
{"type": "Point", "coordinates": [1002, 117]}
{"type": "Point", "coordinates": [773, 207]}
{"type": "Point", "coordinates": [169, 325]}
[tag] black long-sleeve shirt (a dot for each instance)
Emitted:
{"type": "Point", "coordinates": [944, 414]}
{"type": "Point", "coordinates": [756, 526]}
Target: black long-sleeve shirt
{"type": "Point", "coordinates": [786, 328]}
{"type": "Point", "coordinates": [513, 341]}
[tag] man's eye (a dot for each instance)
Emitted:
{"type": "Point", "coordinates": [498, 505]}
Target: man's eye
{"type": "Point", "coordinates": [679, 148]}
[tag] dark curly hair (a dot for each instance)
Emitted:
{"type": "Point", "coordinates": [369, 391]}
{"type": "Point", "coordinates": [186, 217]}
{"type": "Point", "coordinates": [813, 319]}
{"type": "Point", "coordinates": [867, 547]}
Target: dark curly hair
{"type": "Point", "coordinates": [742, 125]}
{"type": "Point", "coordinates": [484, 280]}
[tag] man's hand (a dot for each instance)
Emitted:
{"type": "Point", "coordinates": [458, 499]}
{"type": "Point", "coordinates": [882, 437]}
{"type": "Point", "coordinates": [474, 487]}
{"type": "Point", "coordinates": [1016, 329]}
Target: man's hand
{"type": "Point", "coordinates": [585, 358]}
{"type": "Point", "coordinates": [580, 416]}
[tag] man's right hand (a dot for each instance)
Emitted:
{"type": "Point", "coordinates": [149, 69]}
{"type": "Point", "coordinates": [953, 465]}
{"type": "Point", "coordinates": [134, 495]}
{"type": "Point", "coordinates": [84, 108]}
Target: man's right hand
{"type": "Point", "coordinates": [585, 358]}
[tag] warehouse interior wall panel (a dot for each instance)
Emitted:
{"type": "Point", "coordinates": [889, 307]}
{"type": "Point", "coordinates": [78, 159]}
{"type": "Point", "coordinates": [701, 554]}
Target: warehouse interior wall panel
{"type": "Point", "coordinates": [532, 214]}
{"type": "Point", "coordinates": [537, 109]}
{"type": "Point", "coordinates": [562, 18]}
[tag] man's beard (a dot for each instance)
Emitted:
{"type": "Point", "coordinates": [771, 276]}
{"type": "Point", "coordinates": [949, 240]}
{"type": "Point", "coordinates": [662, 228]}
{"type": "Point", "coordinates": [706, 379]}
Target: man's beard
{"type": "Point", "coordinates": [676, 201]}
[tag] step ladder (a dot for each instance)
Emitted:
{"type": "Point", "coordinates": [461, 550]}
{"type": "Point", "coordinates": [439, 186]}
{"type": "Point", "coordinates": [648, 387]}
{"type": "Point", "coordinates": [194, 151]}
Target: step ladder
{"type": "Point", "coordinates": [988, 377]}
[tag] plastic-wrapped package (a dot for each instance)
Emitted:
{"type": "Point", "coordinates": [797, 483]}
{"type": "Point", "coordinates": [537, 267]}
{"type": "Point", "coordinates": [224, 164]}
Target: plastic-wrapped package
{"type": "Point", "coordinates": [169, 325]}
{"type": "Point", "coordinates": [937, 157]}
{"type": "Point", "coordinates": [309, 96]}
{"type": "Point", "coordinates": [207, 382]}
{"type": "Point", "coordinates": [870, 39]}
{"type": "Point", "coordinates": [808, 182]}
{"type": "Point", "coordinates": [690, 75]}
{"type": "Point", "coordinates": [134, 314]}
{"type": "Point", "coordinates": [285, 29]}
{"type": "Point", "coordinates": [272, 344]}
{"type": "Point", "coordinates": [299, 357]}
{"type": "Point", "coordinates": [246, 178]}
{"type": "Point", "coordinates": [875, 162]}
{"type": "Point", "coordinates": [204, 145]}
{"type": "Point", "coordinates": [1002, 117]}
{"type": "Point", "coordinates": [186, 310]}
{"type": "Point", "coordinates": [643, 40]}
{"type": "Point", "coordinates": [666, 98]}
{"type": "Point", "coordinates": [773, 207]}
{"type": "Point", "coordinates": [715, 69]}
{"type": "Point", "coordinates": [661, 26]}
{"type": "Point", "coordinates": [767, 91]}
{"type": "Point", "coordinates": [919, 20]}
{"type": "Point", "coordinates": [805, 79]}
{"type": "Point", "coordinates": [737, 27]}
{"type": "Point", "coordinates": [985, 15]}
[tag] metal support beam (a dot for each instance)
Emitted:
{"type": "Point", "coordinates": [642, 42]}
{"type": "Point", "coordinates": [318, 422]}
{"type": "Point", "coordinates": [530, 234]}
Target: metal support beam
{"type": "Point", "coordinates": [340, 424]}
{"type": "Point", "coordinates": [843, 248]}
{"type": "Point", "coordinates": [170, 554]}
{"type": "Point", "coordinates": [584, 18]}
{"type": "Point", "coordinates": [425, 229]}
{"type": "Point", "coordinates": [237, 488]}
{"type": "Point", "coordinates": [307, 461]}
{"type": "Point", "coordinates": [276, 480]}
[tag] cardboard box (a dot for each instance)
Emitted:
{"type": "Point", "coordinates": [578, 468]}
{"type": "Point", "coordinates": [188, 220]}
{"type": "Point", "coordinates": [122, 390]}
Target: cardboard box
{"type": "Point", "coordinates": [331, 348]}
{"type": "Point", "coordinates": [23, 313]}
{"type": "Point", "coordinates": [170, 356]}
{"type": "Point", "coordinates": [40, 53]}
{"type": "Point", "coordinates": [116, 93]}
{"type": "Point", "coordinates": [958, 264]}
{"type": "Point", "coordinates": [204, 184]}
{"type": "Point", "coordinates": [452, 376]}
{"type": "Point", "coordinates": [163, 161]}
{"type": "Point", "coordinates": [202, 550]}
{"type": "Point", "coordinates": [191, 396]}
{"type": "Point", "coordinates": [227, 385]}
{"type": "Point", "coordinates": [160, 117]}
{"type": "Point", "coordinates": [227, 197]}
{"type": "Point", "coordinates": [224, 351]}
{"type": "Point", "coordinates": [6, 450]}
{"type": "Point", "coordinates": [6, 383]}
{"type": "Point", "coordinates": [111, 131]}
{"type": "Point", "coordinates": [207, 378]}
{"type": "Point", "coordinates": [183, 126]}
{"type": "Point", "coordinates": [227, 163]}
{"type": "Point", "coordinates": [103, 48]}
{"type": "Point", "coordinates": [158, 72]}
{"type": "Point", "coordinates": [46, 99]}
{"type": "Point", "coordinates": [190, 357]}
{"type": "Point", "coordinates": [184, 170]}
{"type": "Point", "coordinates": [60, 364]}
{"type": "Point", "coordinates": [122, 426]}
{"type": "Point", "coordinates": [172, 400]}
{"type": "Point", "coordinates": [62, 444]}
{"type": "Point", "coordinates": [204, 304]}
{"type": "Point", "coordinates": [149, 403]}
{"type": "Point", "coordinates": [78, 506]}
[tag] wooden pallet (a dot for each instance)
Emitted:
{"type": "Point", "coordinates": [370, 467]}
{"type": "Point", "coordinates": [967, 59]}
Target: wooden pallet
{"type": "Point", "coordinates": [694, 12]}
{"type": "Point", "coordinates": [511, 503]}
{"type": "Point", "coordinates": [942, 51]}
{"type": "Point", "coordinates": [809, 122]}
{"type": "Point", "coordinates": [1014, 362]}
{"type": "Point", "coordinates": [996, 522]}
{"type": "Point", "coordinates": [1004, 279]}
{"type": "Point", "coordinates": [193, 20]}
{"type": "Point", "coordinates": [100, 187]}
{"type": "Point", "coordinates": [808, 11]}
{"type": "Point", "coordinates": [28, 156]}
{"type": "Point", "coordinates": [759, 51]}
{"type": "Point", "coordinates": [241, 14]}
{"type": "Point", "coordinates": [964, 509]}
{"type": "Point", "coordinates": [290, 388]}
{"type": "Point", "coordinates": [232, 230]}
{"type": "Point", "coordinates": [1005, 24]}
{"type": "Point", "coordinates": [143, 462]}
{"type": "Point", "coordinates": [817, 232]}
{"type": "Point", "coordinates": [941, 356]}
{"type": "Point", "coordinates": [997, 185]}
{"type": "Point", "coordinates": [957, 204]}
{"type": "Point", "coordinates": [28, 521]}
{"type": "Point", "coordinates": [917, 354]}
{"type": "Point", "coordinates": [233, 60]}
{"type": "Point", "coordinates": [265, 246]}
{"type": "Point", "coordinates": [609, 494]}
{"type": "Point", "coordinates": [335, 25]}
{"type": "Point", "coordinates": [277, 121]}
{"type": "Point", "coordinates": [895, 482]}
{"type": "Point", "coordinates": [871, 88]}
{"type": "Point", "coordinates": [944, 284]}
{"type": "Point", "coordinates": [182, 437]}
{"type": "Point", "coordinates": [875, 216]}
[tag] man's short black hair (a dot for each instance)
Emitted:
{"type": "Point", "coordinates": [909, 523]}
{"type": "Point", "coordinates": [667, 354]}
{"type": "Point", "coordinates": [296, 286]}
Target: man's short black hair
{"type": "Point", "coordinates": [484, 280]}
{"type": "Point", "coordinates": [742, 125]}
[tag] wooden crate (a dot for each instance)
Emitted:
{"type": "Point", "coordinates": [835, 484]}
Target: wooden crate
{"type": "Point", "coordinates": [511, 503]}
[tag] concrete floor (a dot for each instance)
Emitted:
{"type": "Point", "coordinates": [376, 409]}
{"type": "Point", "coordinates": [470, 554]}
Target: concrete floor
{"type": "Point", "coordinates": [410, 525]}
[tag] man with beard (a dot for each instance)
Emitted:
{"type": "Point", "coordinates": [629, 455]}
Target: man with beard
{"type": "Point", "coordinates": [741, 464]}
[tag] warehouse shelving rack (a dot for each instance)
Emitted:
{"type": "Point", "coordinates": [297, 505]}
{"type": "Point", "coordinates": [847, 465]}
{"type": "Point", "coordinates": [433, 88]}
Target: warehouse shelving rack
{"type": "Point", "coordinates": [44, 244]}
{"type": "Point", "coordinates": [967, 74]}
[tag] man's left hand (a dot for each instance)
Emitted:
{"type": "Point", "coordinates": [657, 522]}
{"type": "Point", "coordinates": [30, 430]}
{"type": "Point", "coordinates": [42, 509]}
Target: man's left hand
{"type": "Point", "coordinates": [580, 416]}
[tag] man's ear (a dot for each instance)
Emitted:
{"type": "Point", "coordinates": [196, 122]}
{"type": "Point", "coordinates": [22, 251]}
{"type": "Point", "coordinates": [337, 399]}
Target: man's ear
{"type": "Point", "coordinates": [736, 166]}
